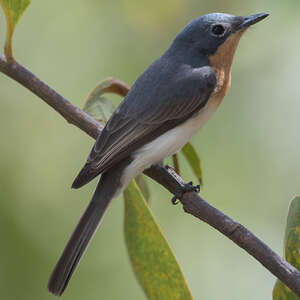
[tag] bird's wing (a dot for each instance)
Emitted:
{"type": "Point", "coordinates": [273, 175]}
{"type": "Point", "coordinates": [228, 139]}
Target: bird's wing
{"type": "Point", "coordinates": [138, 121]}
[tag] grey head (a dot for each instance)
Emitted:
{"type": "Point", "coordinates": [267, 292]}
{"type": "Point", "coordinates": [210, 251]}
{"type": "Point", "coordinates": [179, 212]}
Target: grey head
{"type": "Point", "coordinates": [206, 33]}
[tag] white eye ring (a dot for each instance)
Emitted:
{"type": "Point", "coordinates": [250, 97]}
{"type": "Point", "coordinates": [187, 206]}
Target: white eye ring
{"type": "Point", "coordinates": [218, 30]}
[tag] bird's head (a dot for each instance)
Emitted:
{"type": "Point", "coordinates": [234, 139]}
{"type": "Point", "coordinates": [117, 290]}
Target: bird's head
{"type": "Point", "coordinates": [212, 40]}
{"type": "Point", "coordinates": [208, 33]}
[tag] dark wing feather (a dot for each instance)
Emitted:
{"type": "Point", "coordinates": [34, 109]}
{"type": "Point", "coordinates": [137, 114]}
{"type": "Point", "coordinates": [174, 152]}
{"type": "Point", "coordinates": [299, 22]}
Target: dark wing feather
{"type": "Point", "coordinates": [150, 109]}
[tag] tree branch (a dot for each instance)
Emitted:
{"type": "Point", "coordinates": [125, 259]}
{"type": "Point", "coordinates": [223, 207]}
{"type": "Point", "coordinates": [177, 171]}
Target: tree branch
{"type": "Point", "coordinates": [199, 208]}
{"type": "Point", "coordinates": [66, 109]}
{"type": "Point", "coordinates": [192, 202]}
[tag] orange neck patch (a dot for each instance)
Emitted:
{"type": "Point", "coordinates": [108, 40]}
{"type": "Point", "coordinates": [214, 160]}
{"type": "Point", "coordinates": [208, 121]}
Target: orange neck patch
{"type": "Point", "coordinates": [221, 63]}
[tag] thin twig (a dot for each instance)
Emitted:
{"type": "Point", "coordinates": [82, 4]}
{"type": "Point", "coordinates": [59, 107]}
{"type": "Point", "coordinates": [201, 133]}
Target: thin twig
{"type": "Point", "coordinates": [192, 202]}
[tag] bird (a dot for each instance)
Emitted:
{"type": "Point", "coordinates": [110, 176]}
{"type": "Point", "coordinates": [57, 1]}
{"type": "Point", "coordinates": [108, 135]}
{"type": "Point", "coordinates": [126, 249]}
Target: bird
{"type": "Point", "coordinates": [169, 102]}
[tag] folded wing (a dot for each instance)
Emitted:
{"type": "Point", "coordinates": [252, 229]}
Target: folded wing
{"type": "Point", "coordinates": [146, 114]}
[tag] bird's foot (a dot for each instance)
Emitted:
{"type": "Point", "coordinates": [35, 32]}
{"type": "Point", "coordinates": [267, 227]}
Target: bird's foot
{"type": "Point", "coordinates": [187, 187]}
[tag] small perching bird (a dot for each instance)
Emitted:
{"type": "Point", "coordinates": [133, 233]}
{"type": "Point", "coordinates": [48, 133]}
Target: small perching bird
{"type": "Point", "coordinates": [165, 107]}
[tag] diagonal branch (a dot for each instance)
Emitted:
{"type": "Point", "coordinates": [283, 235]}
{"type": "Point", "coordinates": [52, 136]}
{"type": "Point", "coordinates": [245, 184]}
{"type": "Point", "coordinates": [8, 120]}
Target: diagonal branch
{"type": "Point", "coordinates": [192, 202]}
{"type": "Point", "coordinates": [199, 208]}
{"type": "Point", "coordinates": [66, 109]}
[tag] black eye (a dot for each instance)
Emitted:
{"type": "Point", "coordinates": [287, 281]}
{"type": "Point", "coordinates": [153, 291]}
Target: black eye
{"type": "Point", "coordinates": [218, 30]}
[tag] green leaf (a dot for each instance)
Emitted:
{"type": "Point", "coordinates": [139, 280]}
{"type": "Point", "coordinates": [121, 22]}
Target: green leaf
{"type": "Point", "coordinates": [291, 249]}
{"type": "Point", "coordinates": [13, 10]}
{"type": "Point", "coordinates": [152, 259]}
{"type": "Point", "coordinates": [143, 186]}
{"type": "Point", "coordinates": [97, 105]}
{"type": "Point", "coordinates": [193, 159]}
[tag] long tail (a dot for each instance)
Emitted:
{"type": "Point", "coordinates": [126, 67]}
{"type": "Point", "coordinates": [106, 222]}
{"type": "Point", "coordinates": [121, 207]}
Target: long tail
{"type": "Point", "coordinates": [81, 237]}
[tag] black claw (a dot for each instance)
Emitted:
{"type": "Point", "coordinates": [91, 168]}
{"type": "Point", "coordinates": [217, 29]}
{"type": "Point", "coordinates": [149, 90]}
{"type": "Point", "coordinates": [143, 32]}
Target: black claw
{"type": "Point", "coordinates": [175, 200]}
{"type": "Point", "coordinates": [188, 187]}
{"type": "Point", "coordinates": [197, 188]}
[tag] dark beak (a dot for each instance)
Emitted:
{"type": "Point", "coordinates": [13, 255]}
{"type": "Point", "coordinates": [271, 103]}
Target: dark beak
{"type": "Point", "coordinates": [253, 19]}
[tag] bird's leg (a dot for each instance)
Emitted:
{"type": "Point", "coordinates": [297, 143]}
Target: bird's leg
{"type": "Point", "coordinates": [177, 181]}
{"type": "Point", "coordinates": [186, 187]}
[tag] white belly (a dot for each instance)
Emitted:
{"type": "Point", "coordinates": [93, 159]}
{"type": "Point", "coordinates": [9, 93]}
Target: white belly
{"type": "Point", "coordinates": [168, 143]}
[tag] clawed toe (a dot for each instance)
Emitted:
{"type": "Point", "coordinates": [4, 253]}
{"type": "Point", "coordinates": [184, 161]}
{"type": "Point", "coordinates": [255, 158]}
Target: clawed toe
{"type": "Point", "coordinates": [188, 187]}
{"type": "Point", "coordinates": [175, 199]}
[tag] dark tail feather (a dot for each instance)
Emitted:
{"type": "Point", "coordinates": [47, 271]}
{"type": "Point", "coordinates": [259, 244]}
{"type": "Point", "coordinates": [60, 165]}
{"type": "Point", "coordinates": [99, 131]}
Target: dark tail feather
{"type": "Point", "coordinates": [79, 241]}
{"type": "Point", "coordinates": [85, 175]}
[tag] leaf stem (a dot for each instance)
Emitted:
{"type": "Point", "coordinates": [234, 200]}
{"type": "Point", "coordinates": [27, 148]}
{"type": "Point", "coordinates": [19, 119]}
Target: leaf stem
{"type": "Point", "coordinates": [8, 51]}
{"type": "Point", "coordinates": [8, 48]}
{"type": "Point", "coordinates": [176, 163]}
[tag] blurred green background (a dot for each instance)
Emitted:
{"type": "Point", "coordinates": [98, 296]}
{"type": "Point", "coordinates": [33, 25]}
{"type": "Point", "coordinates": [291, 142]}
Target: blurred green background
{"type": "Point", "coordinates": [249, 150]}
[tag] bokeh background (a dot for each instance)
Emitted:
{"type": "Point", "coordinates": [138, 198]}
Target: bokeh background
{"type": "Point", "coordinates": [249, 150]}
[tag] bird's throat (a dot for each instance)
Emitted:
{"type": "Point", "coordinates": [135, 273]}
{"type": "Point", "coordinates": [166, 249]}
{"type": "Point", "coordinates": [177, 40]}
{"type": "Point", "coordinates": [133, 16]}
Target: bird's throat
{"type": "Point", "coordinates": [221, 62]}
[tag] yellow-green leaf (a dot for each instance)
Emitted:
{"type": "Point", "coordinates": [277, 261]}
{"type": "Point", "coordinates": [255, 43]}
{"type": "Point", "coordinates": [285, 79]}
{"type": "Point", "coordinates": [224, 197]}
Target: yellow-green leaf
{"type": "Point", "coordinates": [193, 159]}
{"type": "Point", "coordinates": [152, 259]}
{"type": "Point", "coordinates": [13, 10]}
{"type": "Point", "coordinates": [143, 186]}
{"type": "Point", "coordinates": [97, 105]}
{"type": "Point", "coordinates": [291, 249]}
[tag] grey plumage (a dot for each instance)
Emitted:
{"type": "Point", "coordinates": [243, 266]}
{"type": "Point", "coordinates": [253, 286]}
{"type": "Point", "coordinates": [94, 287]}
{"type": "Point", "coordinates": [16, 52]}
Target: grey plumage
{"type": "Point", "coordinates": [167, 104]}
{"type": "Point", "coordinates": [148, 112]}
{"type": "Point", "coordinates": [85, 229]}
{"type": "Point", "coordinates": [133, 124]}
